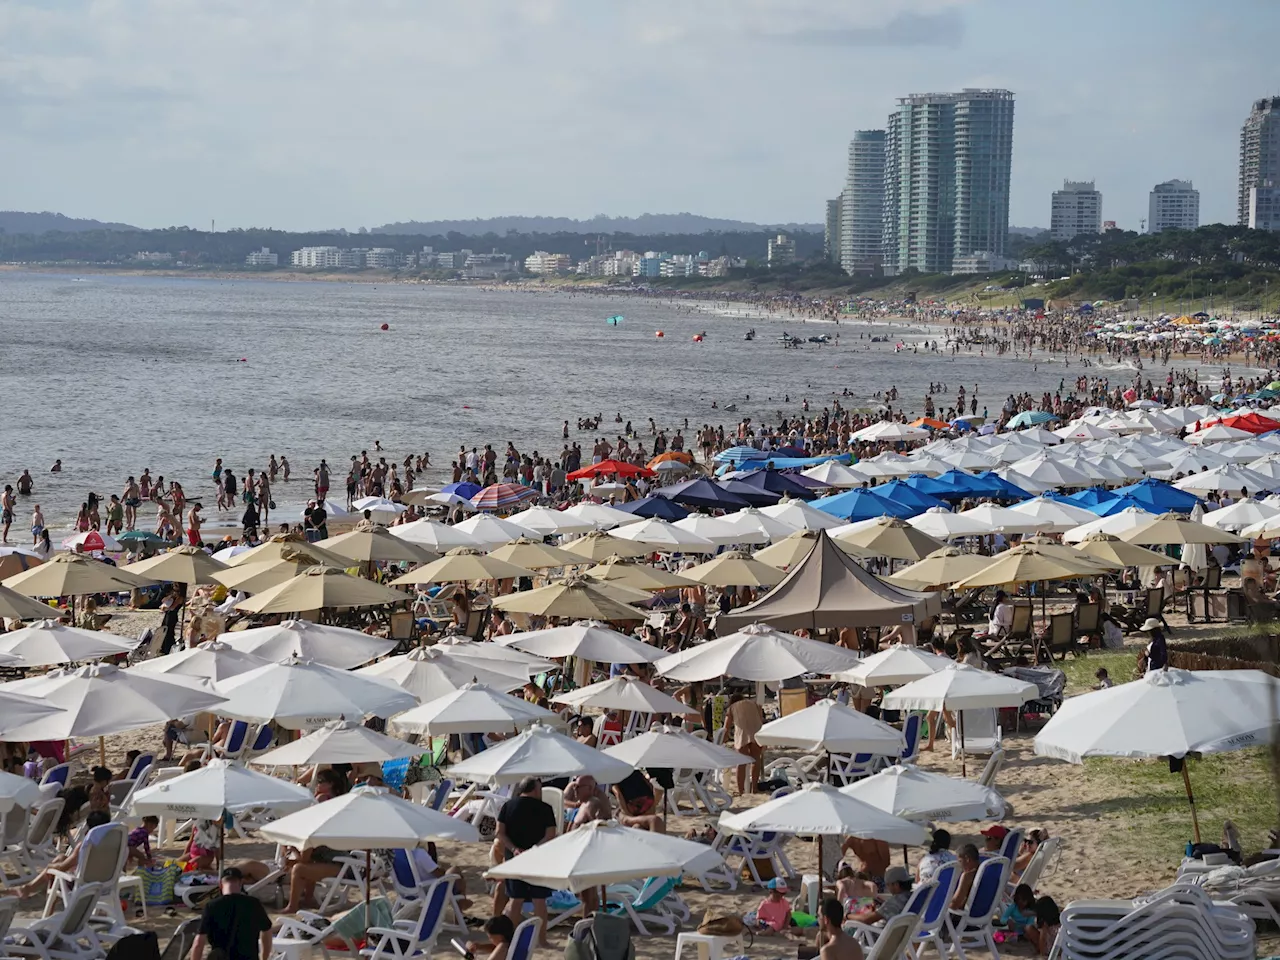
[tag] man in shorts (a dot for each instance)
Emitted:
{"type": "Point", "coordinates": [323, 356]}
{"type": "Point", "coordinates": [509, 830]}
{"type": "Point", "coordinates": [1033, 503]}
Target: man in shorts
{"type": "Point", "coordinates": [7, 501]}
{"type": "Point", "coordinates": [524, 822]}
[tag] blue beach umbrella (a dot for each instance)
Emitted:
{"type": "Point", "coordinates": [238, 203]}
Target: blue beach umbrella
{"type": "Point", "coordinates": [752, 495]}
{"type": "Point", "coordinates": [1089, 498]}
{"type": "Point", "coordinates": [1001, 488]}
{"type": "Point", "coordinates": [930, 486]}
{"type": "Point", "coordinates": [863, 505]}
{"type": "Point", "coordinates": [702, 492]}
{"type": "Point", "coordinates": [463, 488]}
{"type": "Point", "coordinates": [1159, 497]}
{"type": "Point", "coordinates": [657, 508]}
{"type": "Point", "coordinates": [1107, 507]}
{"type": "Point", "coordinates": [1030, 418]}
{"type": "Point", "coordinates": [738, 454]}
{"type": "Point", "coordinates": [900, 492]}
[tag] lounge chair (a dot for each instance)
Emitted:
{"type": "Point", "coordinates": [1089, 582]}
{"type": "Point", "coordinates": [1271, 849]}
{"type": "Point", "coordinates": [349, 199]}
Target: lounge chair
{"type": "Point", "coordinates": [750, 847]}
{"type": "Point", "coordinates": [911, 731]}
{"type": "Point", "coordinates": [1050, 683]}
{"type": "Point", "coordinates": [334, 892]}
{"type": "Point", "coordinates": [844, 768]}
{"type": "Point", "coordinates": [102, 857]}
{"type": "Point", "coordinates": [982, 733]}
{"type": "Point", "coordinates": [1259, 608]}
{"type": "Point", "coordinates": [524, 940]}
{"type": "Point", "coordinates": [973, 927]}
{"type": "Point", "coordinates": [869, 934]}
{"type": "Point", "coordinates": [894, 941]}
{"type": "Point", "coordinates": [1059, 640]}
{"type": "Point", "coordinates": [797, 770]}
{"type": "Point", "coordinates": [67, 935]}
{"type": "Point", "coordinates": [603, 937]}
{"type": "Point", "coordinates": [1041, 862]}
{"type": "Point", "coordinates": [411, 887]}
{"type": "Point", "coordinates": [413, 938]}
{"type": "Point", "coordinates": [554, 798]}
{"type": "Point", "coordinates": [36, 850]}
{"type": "Point", "coordinates": [1088, 626]}
{"type": "Point", "coordinates": [655, 902]}
{"type": "Point", "coordinates": [934, 915]}
{"type": "Point", "coordinates": [992, 769]}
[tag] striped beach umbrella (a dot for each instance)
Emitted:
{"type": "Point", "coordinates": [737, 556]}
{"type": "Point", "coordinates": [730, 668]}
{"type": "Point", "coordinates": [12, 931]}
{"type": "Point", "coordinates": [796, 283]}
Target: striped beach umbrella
{"type": "Point", "coordinates": [499, 495]}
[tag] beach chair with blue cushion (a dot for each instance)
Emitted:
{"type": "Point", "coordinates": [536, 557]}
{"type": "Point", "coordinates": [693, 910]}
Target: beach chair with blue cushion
{"type": "Point", "coordinates": [911, 731]}
{"type": "Point", "coordinates": [945, 879]}
{"type": "Point", "coordinates": [299, 935]}
{"type": "Point", "coordinates": [524, 940]}
{"type": "Point", "coordinates": [974, 926]}
{"type": "Point", "coordinates": [410, 887]}
{"type": "Point", "coordinates": [646, 904]}
{"type": "Point", "coordinates": [869, 934]}
{"type": "Point", "coordinates": [406, 939]}
{"type": "Point", "coordinates": [750, 847]}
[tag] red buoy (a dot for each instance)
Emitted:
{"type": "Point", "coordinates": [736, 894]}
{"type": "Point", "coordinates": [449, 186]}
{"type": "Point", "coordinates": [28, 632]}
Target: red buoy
{"type": "Point", "coordinates": [697, 338]}
{"type": "Point", "coordinates": [659, 334]}
{"type": "Point", "coordinates": [385, 326]}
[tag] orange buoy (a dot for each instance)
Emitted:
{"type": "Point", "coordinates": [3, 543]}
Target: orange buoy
{"type": "Point", "coordinates": [659, 334]}
{"type": "Point", "coordinates": [385, 326]}
{"type": "Point", "coordinates": [697, 338]}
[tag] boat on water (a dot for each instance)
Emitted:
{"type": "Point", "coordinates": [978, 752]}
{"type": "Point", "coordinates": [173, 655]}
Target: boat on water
{"type": "Point", "coordinates": [822, 339]}
{"type": "Point", "coordinates": [750, 334]}
{"type": "Point", "coordinates": [789, 342]}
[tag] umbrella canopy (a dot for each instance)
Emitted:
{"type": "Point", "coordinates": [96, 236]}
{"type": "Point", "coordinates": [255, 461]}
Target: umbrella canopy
{"type": "Point", "coordinates": [701, 492]}
{"type": "Point", "coordinates": [735, 569]}
{"type": "Point", "coordinates": [959, 687]}
{"type": "Point", "coordinates": [1029, 564]}
{"type": "Point", "coordinates": [257, 577]}
{"type": "Point", "coordinates": [754, 496]}
{"type": "Point", "coordinates": [670, 748]}
{"type": "Point", "coordinates": [378, 507]}
{"type": "Point", "coordinates": [17, 711]}
{"type": "Point", "coordinates": [638, 575]}
{"type": "Point", "coordinates": [1115, 524]}
{"type": "Point", "coordinates": [600, 516]}
{"type": "Point", "coordinates": [862, 504]}
{"type": "Point", "coordinates": [509, 659]}
{"type": "Point", "coordinates": [624, 693]}
{"type": "Point", "coordinates": [338, 647]}
{"type": "Point", "coordinates": [464, 563]}
{"type": "Point", "coordinates": [533, 554]}
{"type": "Point", "coordinates": [889, 537]}
{"type": "Point", "coordinates": [888, 430]}
{"type": "Point", "coordinates": [756, 652]}
{"type": "Point", "coordinates": [790, 550]}
{"type": "Point", "coordinates": [753, 525]}
{"type": "Point", "coordinates": [598, 545]}
{"type": "Point", "coordinates": [822, 810]}
{"type": "Point", "coordinates": [915, 794]}
{"type": "Point", "coordinates": [14, 606]}
{"type": "Point", "coordinates": [1229, 477]}
{"type": "Point", "coordinates": [189, 565]}
{"type": "Point", "coordinates": [775, 481]}
{"type": "Point", "coordinates": [836, 474]}
{"type": "Point", "coordinates": [499, 496]}
{"type": "Point", "coordinates": [1110, 549]}
{"type": "Point", "coordinates": [603, 852]}
{"type": "Point", "coordinates": [340, 741]}
{"type": "Point", "coordinates": [1175, 528]}
{"type": "Point", "coordinates": [49, 642]}
{"type": "Point", "coordinates": [101, 699]}
{"type": "Point", "coordinates": [540, 752]}
{"type": "Point", "coordinates": [658, 535]}
{"type": "Point", "coordinates": [319, 587]}
{"type": "Point", "coordinates": [212, 660]}
{"type": "Point", "coordinates": [939, 569]}
{"type": "Point", "coordinates": [588, 640]}
{"type": "Point", "coordinates": [900, 664]}
{"type": "Point", "coordinates": [431, 672]}
{"type": "Point", "coordinates": [490, 531]}
{"type": "Point", "coordinates": [1242, 515]}
{"type": "Point", "coordinates": [367, 818]}
{"type": "Point", "coordinates": [995, 519]}
{"type": "Point", "coordinates": [72, 574]}
{"type": "Point", "coordinates": [1218, 433]}
{"type": "Point", "coordinates": [1050, 514]}
{"type": "Point", "coordinates": [216, 788]}
{"type": "Point", "coordinates": [290, 545]}
{"type": "Point", "coordinates": [300, 694]}
{"type": "Point", "coordinates": [90, 541]}
{"type": "Point", "coordinates": [375, 544]}
{"type": "Point", "coordinates": [906, 495]}
{"type": "Point", "coordinates": [834, 727]}
{"type": "Point", "coordinates": [546, 522]}
{"type": "Point", "coordinates": [941, 525]}
{"type": "Point", "coordinates": [1044, 471]}
{"type": "Point", "coordinates": [23, 792]}
{"type": "Point", "coordinates": [612, 468]}
{"type": "Point", "coordinates": [576, 598]}
{"type": "Point", "coordinates": [800, 515]}
{"type": "Point", "coordinates": [436, 536]}
{"type": "Point", "coordinates": [656, 507]}
{"type": "Point", "coordinates": [472, 708]}
{"type": "Point", "coordinates": [1158, 496]}
{"type": "Point", "coordinates": [718, 531]}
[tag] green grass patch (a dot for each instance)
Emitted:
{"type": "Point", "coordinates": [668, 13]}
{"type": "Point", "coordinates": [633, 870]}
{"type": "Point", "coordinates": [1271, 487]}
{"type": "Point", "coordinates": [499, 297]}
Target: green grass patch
{"type": "Point", "coordinates": [1080, 670]}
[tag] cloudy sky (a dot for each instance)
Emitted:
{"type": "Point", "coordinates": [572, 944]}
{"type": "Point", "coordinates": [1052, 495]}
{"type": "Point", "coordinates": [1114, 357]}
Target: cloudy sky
{"type": "Point", "coordinates": [325, 113]}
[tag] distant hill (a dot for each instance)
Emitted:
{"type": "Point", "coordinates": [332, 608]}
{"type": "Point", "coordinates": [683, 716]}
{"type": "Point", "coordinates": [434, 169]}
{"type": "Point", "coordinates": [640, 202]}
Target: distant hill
{"type": "Point", "coordinates": [1028, 231]}
{"type": "Point", "coordinates": [16, 222]}
{"type": "Point", "coordinates": [648, 224]}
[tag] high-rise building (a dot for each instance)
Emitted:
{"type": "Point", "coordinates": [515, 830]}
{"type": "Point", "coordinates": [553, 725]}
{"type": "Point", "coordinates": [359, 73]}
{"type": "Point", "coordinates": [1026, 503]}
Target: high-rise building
{"type": "Point", "coordinates": [831, 240]}
{"type": "Point", "coordinates": [948, 160]}
{"type": "Point", "coordinates": [1077, 209]}
{"type": "Point", "coordinates": [782, 251]}
{"type": "Point", "coordinates": [1174, 205]}
{"type": "Point", "coordinates": [862, 221]}
{"type": "Point", "coordinates": [1258, 201]}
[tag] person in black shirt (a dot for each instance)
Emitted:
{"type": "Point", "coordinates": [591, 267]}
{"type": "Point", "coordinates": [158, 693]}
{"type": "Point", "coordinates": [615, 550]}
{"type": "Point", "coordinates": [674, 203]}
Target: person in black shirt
{"type": "Point", "coordinates": [638, 803]}
{"type": "Point", "coordinates": [1157, 652]}
{"type": "Point", "coordinates": [524, 822]}
{"type": "Point", "coordinates": [235, 924]}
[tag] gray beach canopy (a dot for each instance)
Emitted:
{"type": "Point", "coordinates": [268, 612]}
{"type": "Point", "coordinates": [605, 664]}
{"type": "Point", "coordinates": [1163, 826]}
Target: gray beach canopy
{"type": "Point", "coordinates": [828, 590]}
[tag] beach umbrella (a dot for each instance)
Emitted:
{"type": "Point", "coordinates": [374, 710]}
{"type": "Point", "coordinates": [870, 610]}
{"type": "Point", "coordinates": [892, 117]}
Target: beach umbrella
{"type": "Point", "coordinates": [212, 660]}
{"type": "Point", "coordinates": [435, 536]}
{"type": "Point", "coordinates": [509, 659]}
{"type": "Point", "coordinates": [462, 488]}
{"type": "Point", "coordinates": [490, 531]}
{"type": "Point", "coordinates": [1070, 555]}
{"type": "Point", "coordinates": [888, 430]}
{"type": "Point", "coordinates": [499, 496]}
{"type": "Point", "coordinates": [753, 496]}
{"type": "Point", "coordinates": [319, 587]}
{"type": "Point", "coordinates": [624, 693]}
{"type": "Point", "coordinates": [189, 565]}
{"type": "Point", "coordinates": [226, 553]}
{"type": "Point", "coordinates": [888, 537]}
{"type": "Point", "coordinates": [100, 699]}
{"type": "Point", "coordinates": [718, 531]}
{"type": "Point", "coordinates": [1188, 460]}
{"type": "Point", "coordinates": [862, 504]}
{"type": "Point", "coordinates": [48, 642]}
{"type": "Point", "coordinates": [1090, 498]}
{"type": "Point", "coordinates": [1175, 528]}
{"type": "Point", "coordinates": [73, 574]}
{"type": "Point", "coordinates": [800, 515]}
{"type": "Point", "coordinates": [547, 522]}
{"type": "Point", "coordinates": [1195, 556]}
{"type": "Point", "coordinates": [942, 525]}
{"type": "Point", "coordinates": [576, 598]}
{"type": "Point", "coordinates": [539, 752]}
{"type": "Point", "coordinates": [339, 741]}
{"type": "Point", "coordinates": [1119, 505]}
{"type": "Point", "coordinates": [611, 468]}
{"type": "Point", "coordinates": [683, 457]}
{"type": "Point", "coordinates": [948, 565]}
{"type": "Point", "coordinates": [90, 541]}
{"type": "Point", "coordinates": [660, 536]}
{"type": "Point", "coordinates": [18, 712]}
{"type": "Point", "coordinates": [655, 507]}
{"type": "Point", "coordinates": [1050, 514]}
{"type": "Point", "coordinates": [1229, 477]}
{"type": "Point", "coordinates": [702, 492]}
{"type": "Point", "coordinates": [1029, 418]}
{"type": "Point", "coordinates": [1166, 713]}
{"type": "Point", "coordinates": [640, 576]}
{"type": "Point", "coordinates": [900, 492]}
{"type": "Point", "coordinates": [472, 708]}
{"type": "Point", "coordinates": [996, 519]}
{"type": "Point", "coordinates": [735, 569]}
{"type": "Point", "coordinates": [756, 652]}
{"type": "Point", "coordinates": [1116, 524]}
{"type": "Point", "coordinates": [298, 694]}
{"type": "Point", "coordinates": [1159, 497]}
{"type": "Point", "coordinates": [775, 481]}
{"type": "Point", "coordinates": [600, 516]}
{"type": "Point", "coordinates": [378, 509]}
{"type": "Point", "coordinates": [1044, 470]}
{"type": "Point", "coordinates": [836, 474]}
{"type": "Point", "coordinates": [1111, 549]}
{"type": "Point", "coordinates": [599, 545]}
{"type": "Point", "coordinates": [672, 749]}
{"type": "Point", "coordinates": [431, 672]}
{"type": "Point", "coordinates": [1082, 430]}
{"type": "Point", "coordinates": [788, 551]}
{"type": "Point", "coordinates": [24, 792]}
{"type": "Point", "coordinates": [140, 537]}
{"type": "Point", "coordinates": [218, 787]}
{"type": "Point", "coordinates": [283, 546]}
{"type": "Point", "coordinates": [1218, 433]}
{"type": "Point", "coordinates": [753, 525]}
{"type": "Point", "coordinates": [897, 665]}
{"type": "Point", "coordinates": [534, 554]}
{"type": "Point", "coordinates": [257, 577]}
{"type": "Point", "coordinates": [14, 606]}
{"type": "Point", "coordinates": [1029, 564]}
{"type": "Point", "coordinates": [914, 794]}
{"type": "Point", "coordinates": [465, 564]}
{"type": "Point", "coordinates": [339, 647]}
{"type": "Point", "coordinates": [835, 728]}
{"type": "Point", "coordinates": [375, 544]}
{"type": "Point", "coordinates": [587, 640]}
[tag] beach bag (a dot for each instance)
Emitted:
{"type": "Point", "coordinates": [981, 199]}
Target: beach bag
{"type": "Point", "coordinates": [158, 882]}
{"type": "Point", "coordinates": [720, 925]}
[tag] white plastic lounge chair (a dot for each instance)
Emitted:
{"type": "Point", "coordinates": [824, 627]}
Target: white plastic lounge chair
{"type": "Point", "coordinates": [102, 857]}
{"type": "Point", "coordinates": [67, 935]}
{"type": "Point", "coordinates": [982, 733]}
{"type": "Point", "coordinates": [894, 942]}
{"type": "Point", "coordinates": [416, 938]}
{"type": "Point", "coordinates": [869, 935]}
{"type": "Point", "coordinates": [992, 769]}
{"type": "Point", "coordinates": [750, 847]}
{"type": "Point", "coordinates": [653, 902]}
{"type": "Point", "coordinates": [36, 850]}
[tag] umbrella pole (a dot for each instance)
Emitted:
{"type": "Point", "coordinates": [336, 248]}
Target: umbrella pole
{"type": "Point", "coordinates": [964, 772]}
{"type": "Point", "coordinates": [102, 751]}
{"type": "Point", "coordinates": [222, 840]}
{"type": "Point", "coordinates": [1186, 782]}
{"type": "Point", "coordinates": [368, 885]}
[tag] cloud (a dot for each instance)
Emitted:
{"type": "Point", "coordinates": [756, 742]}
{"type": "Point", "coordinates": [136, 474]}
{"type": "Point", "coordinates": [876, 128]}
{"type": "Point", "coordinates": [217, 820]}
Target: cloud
{"type": "Point", "coordinates": [945, 28]}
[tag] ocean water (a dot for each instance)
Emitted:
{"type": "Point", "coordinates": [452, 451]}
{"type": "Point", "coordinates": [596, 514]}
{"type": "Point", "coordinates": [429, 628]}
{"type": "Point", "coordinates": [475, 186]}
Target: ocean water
{"type": "Point", "coordinates": [114, 374]}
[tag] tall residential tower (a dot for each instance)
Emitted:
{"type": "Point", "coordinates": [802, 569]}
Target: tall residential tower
{"type": "Point", "coordinates": [863, 196]}
{"type": "Point", "coordinates": [1258, 201]}
{"type": "Point", "coordinates": [1173, 205]}
{"type": "Point", "coordinates": [1077, 209]}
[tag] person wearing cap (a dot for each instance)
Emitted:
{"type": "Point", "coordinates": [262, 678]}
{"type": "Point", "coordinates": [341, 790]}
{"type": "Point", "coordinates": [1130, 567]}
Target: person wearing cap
{"type": "Point", "coordinates": [773, 915]}
{"type": "Point", "coordinates": [993, 840]}
{"type": "Point", "coordinates": [1157, 652]}
{"type": "Point", "coordinates": [897, 884]}
{"type": "Point", "coordinates": [234, 924]}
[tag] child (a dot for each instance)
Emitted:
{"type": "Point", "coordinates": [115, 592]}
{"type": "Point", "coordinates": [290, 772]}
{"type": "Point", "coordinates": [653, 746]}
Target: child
{"type": "Point", "coordinates": [1103, 678]}
{"type": "Point", "coordinates": [500, 930]}
{"type": "Point", "coordinates": [853, 887]}
{"type": "Point", "coordinates": [140, 841]}
{"type": "Point", "coordinates": [1045, 931]}
{"type": "Point", "coordinates": [100, 792]}
{"type": "Point", "coordinates": [773, 915]}
{"type": "Point", "coordinates": [1021, 913]}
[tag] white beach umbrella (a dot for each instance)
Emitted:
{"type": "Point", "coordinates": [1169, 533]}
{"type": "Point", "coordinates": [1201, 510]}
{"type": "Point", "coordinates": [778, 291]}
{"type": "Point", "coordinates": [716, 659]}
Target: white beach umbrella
{"type": "Point", "coordinates": [1218, 433]}
{"type": "Point", "coordinates": [332, 646]}
{"type": "Point", "coordinates": [1053, 514]}
{"type": "Point", "coordinates": [546, 522]}
{"type": "Point", "coordinates": [889, 430]}
{"type": "Point", "coordinates": [586, 639]}
{"type": "Point", "coordinates": [995, 519]}
{"type": "Point", "coordinates": [664, 537]}
{"type": "Point", "coordinates": [1188, 460]}
{"type": "Point", "coordinates": [969, 460]}
{"type": "Point", "coordinates": [670, 748]}
{"type": "Point", "coordinates": [944, 525]}
{"type": "Point", "coordinates": [717, 531]}
{"type": "Point", "coordinates": [897, 665]}
{"type": "Point", "coordinates": [340, 741]}
{"type": "Point", "coordinates": [46, 643]}
{"type": "Point", "coordinates": [756, 652]}
{"type": "Point", "coordinates": [364, 818]}
{"type": "Point", "coordinates": [751, 520]}
{"type": "Point", "coordinates": [1229, 477]}
{"type": "Point", "coordinates": [1243, 451]}
{"type": "Point", "coordinates": [24, 792]}
{"type": "Point", "coordinates": [836, 474]}
{"type": "Point", "coordinates": [1082, 430]}
{"type": "Point", "coordinates": [800, 516]}
{"type": "Point", "coordinates": [95, 539]}
{"type": "Point", "coordinates": [472, 708]}
{"type": "Point", "coordinates": [1269, 467]}
{"type": "Point", "coordinates": [624, 693]}
{"type": "Point", "coordinates": [219, 787]}
{"type": "Point", "coordinates": [380, 508]}
{"type": "Point", "coordinates": [1103, 471]}
{"type": "Point", "coordinates": [603, 852]}
{"type": "Point", "coordinates": [211, 660]}
{"type": "Point", "coordinates": [435, 536]}
{"type": "Point", "coordinates": [299, 694]}
{"type": "Point", "coordinates": [819, 809]}
{"type": "Point", "coordinates": [17, 710]}
{"type": "Point", "coordinates": [490, 531]}
{"type": "Point", "coordinates": [1241, 515]}
{"type": "Point", "coordinates": [540, 752]}
{"type": "Point", "coordinates": [510, 659]}
{"type": "Point", "coordinates": [1118, 523]}
{"type": "Point", "coordinates": [914, 794]}
{"type": "Point", "coordinates": [1039, 435]}
{"type": "Point", "coordinates": [101, 699]}
{"type": "Point", "coordinates": [601, 516]}
{"type": "Point", "coordinates": [1046, 469]}
{"type": "Point", "coordinates": [831, 726]}
{"type": "Point", "coordinates": [431, 672]}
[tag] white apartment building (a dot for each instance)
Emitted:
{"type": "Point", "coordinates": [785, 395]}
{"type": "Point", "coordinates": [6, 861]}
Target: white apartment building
{"type": "Point", "coordinates": [542, 263]}
{"type": "Point", "coordinates": [382, 258]}
{"type": "Point", "coordinates": [719, 267]}
{"type": "Point", "coordinates": [678, 265]}
{"type": "Point", "coordinates": [262, 257]}
{"type": "Point", "coordinates": [1174, 205]}
{"type": "Point", "coordinates": [1076, 210]}
{"type": "Point", "coordinates": [352, 259]}
{"type": "Point", "coordinates": [982, 261]}
{"type": "Point", "coordinates": [862, 204]}
{"type": "Point", "coordinates": [313, 258]}
{"type": "Point", "coordinates": [1260, 165]}
{"type": "Point", "coordinates": [782, 251]}
{"type": "Point", "coordinates": [1264, 207]}
{"type": "Point", "coordinates": [623, 264]}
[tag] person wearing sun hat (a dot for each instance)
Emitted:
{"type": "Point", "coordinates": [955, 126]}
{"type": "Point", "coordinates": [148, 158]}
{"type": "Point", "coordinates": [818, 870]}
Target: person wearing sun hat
{"type": "Point", "coordinates": [1156, 656]}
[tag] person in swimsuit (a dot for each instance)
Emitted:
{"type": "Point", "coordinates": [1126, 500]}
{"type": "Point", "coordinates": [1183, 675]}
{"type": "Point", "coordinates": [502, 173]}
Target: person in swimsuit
{"type": "Point", "coordinates": [37, 523]}
{"type": "Point", "coordinates": [25, 483]}
{"type": "Point", "coordinates": [132, 500]}
{"type": "Point", "coordinates": [115, 515]}
{"type": "Point", "coordinates": [7, 501]}
{"type": "Point", "coordinates": [194, 520]}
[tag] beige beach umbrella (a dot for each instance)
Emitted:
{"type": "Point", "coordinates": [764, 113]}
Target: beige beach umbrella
{"type": "Point", "coordinates": [321, 587]}
{"type": "Point", "coordinates": [1027, 564]}
{"type": "Point", "coordinates": [736, 568]}
{"type": "Point", "coordinates": [889, 537]}
{"type": "Point", "coordinates": [598, 545]}
{"type": "Point", "coordinates": [370, 543]}
{"type": "Point", "coordinates": [576, 598]}
{"type": "Point", "coordinates": [14, 606]}
{"type": "Point", "coordinates": [256, 577]}
{"type": "Point", "coordinates": [1103, 546]}
{"type": "Point", "coordinates": [288, 543]}
{"type": "Point", "coordinates": [534, 554]}
{"type": "Point", "coordinates": [1174, 528]}
{"type": "Point", "coordinates": [789, 551]}
{"type": "Point", "coordinates": [189, 565]}
{"type": "Point", "coordinates": [74, 574]}
{"type": "Point", "coordinates": [464, 563]}
{"type": "Point", "coordinates": [616, 570]}
{"type": "Point", "coordinates": [1069, 554]}
{"type": "Point", "coordinates": [940, 569]}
